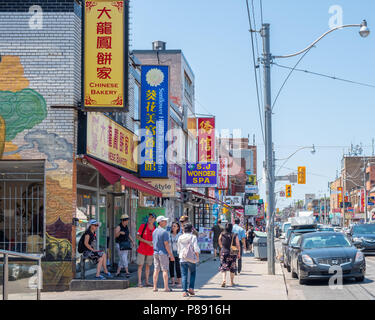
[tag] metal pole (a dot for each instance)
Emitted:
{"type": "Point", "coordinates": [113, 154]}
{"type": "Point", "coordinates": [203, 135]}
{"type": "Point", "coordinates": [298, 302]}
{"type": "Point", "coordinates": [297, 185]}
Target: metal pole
{"type": "Point", "coordinates": [265, 33]}
{"type": "Point", "coordinates": [364, 183]}
{"type": "Point", "coordinates": [5, 277]}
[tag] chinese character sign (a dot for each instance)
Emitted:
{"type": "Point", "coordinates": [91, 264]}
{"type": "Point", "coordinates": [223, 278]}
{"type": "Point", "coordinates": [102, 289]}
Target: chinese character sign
{"type": "Point", "coordinates": [223, 174]}
{"type": "Point", "coordinates": [105, 49]}
{"type": "Point", "coordinates": [206, 139]}
{"type": "Point", "coordinates": [110, 142]}
{"type": "Point", "coordinates": [339, 196]}
{"type": "Point", "coordinates": [201, 175]}
{"type": "Point", "coordinates": [154, 120]}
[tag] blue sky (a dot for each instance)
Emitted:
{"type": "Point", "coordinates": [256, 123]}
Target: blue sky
{"type": "Point", "coordinates": [214, 37]}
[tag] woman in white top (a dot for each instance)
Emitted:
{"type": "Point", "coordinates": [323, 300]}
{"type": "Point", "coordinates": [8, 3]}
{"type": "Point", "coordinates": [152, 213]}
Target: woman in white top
{"type": "Point", "coordinates": [188, 251]}
{"type": "Point", "coordinates": [174, 266]}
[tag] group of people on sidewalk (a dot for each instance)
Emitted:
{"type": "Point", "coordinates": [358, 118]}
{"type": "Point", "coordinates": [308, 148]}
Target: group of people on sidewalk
{"type": "Point", "coordinates": [174, 253]}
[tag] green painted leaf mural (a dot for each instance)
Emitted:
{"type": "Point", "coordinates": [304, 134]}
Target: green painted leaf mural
{"type": "Point", "coordinates": [21, 110]}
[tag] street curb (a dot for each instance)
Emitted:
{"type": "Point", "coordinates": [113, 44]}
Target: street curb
{"type": "Point", "coordinates": [286, 286]}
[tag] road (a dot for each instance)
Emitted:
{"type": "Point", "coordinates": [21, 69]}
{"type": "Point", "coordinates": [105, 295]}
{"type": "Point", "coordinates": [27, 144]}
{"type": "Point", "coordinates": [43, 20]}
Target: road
{"type": "Point", "coordinates": [320, 290]}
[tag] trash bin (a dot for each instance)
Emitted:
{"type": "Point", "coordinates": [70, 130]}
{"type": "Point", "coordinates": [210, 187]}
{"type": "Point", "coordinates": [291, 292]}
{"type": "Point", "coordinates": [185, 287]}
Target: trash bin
{"type": "Point", "coordinates": [260, 245]}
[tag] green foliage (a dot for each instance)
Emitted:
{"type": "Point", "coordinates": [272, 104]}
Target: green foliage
{"type": "Point", "coordinates": [21, 110]}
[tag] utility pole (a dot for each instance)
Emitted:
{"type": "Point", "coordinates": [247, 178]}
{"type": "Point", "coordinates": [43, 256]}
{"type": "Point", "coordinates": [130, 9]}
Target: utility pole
{"type": "Point", "coordinates": [365, 189]}
{"type": "Point", "coordinates": [266, 60]}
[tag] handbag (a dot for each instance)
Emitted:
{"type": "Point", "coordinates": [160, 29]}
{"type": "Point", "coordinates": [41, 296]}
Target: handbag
{"type": "Point", "coordinates": [233, 249]}
{"type": "Point", "coordinates": [125, 245]}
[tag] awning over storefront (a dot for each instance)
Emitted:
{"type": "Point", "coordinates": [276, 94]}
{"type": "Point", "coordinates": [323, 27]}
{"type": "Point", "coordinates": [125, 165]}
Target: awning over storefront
{"type": "Point", "coordinates": [112, 175]}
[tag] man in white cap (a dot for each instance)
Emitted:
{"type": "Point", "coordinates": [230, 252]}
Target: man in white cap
{"type": "Point", "coordinates": [162, 252]}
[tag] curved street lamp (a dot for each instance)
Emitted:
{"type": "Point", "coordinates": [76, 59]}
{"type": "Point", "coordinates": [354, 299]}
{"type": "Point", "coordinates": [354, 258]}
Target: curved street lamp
{"type": "Point", "coordinates": [313, 151]}
{"type": "Point", "coordinates": [269, 159]}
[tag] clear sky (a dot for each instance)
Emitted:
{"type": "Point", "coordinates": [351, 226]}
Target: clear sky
{"type": "Point", "coordinates": [331, 114]}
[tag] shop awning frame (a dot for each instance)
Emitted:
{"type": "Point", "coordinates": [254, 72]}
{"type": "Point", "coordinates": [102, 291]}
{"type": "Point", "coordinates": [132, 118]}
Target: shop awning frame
{"type": "Point", "coordinates": [113, 175]}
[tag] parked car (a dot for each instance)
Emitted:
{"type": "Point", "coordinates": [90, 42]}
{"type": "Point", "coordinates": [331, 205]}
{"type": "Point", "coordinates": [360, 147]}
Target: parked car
{"type": "Point", "coordinates": [290, 241]}
{"type": "Point", "coordinates": [338, 229]}
{"type": "Point", "coordinates": [284, 229]}
{"type": "Point", "coordinates": [313, 255]}
{"type": "Point", "coordinates": [363, 237]}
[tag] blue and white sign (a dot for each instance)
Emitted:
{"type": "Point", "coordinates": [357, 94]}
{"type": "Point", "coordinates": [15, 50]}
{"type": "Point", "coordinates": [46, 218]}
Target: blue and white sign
{"type": "Point", "coordinates": [154, 121]}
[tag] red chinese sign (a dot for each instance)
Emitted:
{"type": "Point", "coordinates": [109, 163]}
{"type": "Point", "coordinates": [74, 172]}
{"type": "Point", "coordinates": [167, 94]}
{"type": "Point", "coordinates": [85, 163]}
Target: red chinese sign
{"type": "Point", "coordinates": [362, 200]}
{"type": "Point", "coordinates": [223, 174]}
{"type": "Point", "coordinates": [206, 139]}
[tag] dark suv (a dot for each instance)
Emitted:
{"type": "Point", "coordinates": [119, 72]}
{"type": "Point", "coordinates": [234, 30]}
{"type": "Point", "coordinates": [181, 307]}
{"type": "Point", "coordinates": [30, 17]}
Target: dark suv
{"type": "Point", "coordinates": [363, 237]}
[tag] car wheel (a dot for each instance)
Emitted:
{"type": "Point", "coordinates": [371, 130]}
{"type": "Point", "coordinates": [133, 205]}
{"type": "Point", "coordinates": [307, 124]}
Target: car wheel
{"type": "Point", "coordinates": [300, 279]}
{"type": "Point", "coordinates": [294, 275]}
{"type": "Point", "coordinates": [360, 279]}
{"type": "Point", "coordinates": [288, 268]}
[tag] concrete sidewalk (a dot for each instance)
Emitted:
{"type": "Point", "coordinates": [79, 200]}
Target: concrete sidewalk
{"type": "Point", "coordinates": [253, 284]}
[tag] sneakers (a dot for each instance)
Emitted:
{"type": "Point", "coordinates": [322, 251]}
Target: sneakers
{"type": "Point", "coordinates": [108, 275]}
{"type": "Point", "coordinates": [100, 277]}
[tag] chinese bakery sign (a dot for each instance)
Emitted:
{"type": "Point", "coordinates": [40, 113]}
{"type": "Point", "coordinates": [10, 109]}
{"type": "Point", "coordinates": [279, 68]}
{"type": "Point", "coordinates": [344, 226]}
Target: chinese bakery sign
{"type": "Point", "coordinates": [105, 55]}
{"type": "Point", "coordinates": [110, 142]}
{"type": "Point", "coordinates": [154, 121]}
{"type": "Point", "coordinates": [201, 175]}
{"type": "Point", "coordinates": [206, 139]}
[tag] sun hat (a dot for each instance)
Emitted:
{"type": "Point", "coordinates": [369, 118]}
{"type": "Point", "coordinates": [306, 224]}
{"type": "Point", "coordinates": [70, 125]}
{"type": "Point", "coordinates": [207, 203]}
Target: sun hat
{"type": "Point", "coordinates": [94, 222]}
{"type": "Point", "coordinates": [161, 218]}
{"type": "Point", "coordinates": [184, 218]}
{"type": "Point", "coordinates": [124, 217]}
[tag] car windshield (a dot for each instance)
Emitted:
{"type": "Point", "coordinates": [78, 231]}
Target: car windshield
{"type": "Point", "coordinates": [364, 229]}
{"type": "Point", "coordinates": [325, 241]}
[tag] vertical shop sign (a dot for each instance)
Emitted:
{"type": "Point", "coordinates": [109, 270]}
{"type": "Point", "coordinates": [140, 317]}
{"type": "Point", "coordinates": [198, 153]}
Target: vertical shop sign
{"type": "Point", "coordinates": [206, 139]}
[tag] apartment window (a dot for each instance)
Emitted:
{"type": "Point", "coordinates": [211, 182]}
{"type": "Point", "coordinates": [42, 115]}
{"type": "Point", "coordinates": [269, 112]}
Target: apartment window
{"type": "Point", "coordinates": [189, 90]}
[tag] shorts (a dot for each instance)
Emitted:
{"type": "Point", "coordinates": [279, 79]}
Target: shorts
{"type": "Point", "coordinates": [161, 261]}
{"type": "Point", "coordinates": [93, 256]}
{"type": "Point", "coordinates": [141, 259]}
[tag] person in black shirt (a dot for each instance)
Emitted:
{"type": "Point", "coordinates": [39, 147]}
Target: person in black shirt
{"type": "Point", "coordinates": [122, 235]}
{"type": "Point", "coordinates": [98, 257]}
{"type": "Point", "coordinates": [217, 229]}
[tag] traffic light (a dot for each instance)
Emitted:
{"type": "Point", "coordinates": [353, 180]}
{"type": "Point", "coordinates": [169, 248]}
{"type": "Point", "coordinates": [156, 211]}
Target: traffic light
{"type": "Point", "coordinates": [288, 191]}
{"type": "Point", "coordinates": [301, 175]}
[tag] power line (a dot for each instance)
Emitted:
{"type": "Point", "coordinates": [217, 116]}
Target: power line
{"type": "Point", "coordinates": [287, 78]}
{"type": "Point", "coordinates": [327, 76]}
{"type": "Point", "coordinates": [255, 72]}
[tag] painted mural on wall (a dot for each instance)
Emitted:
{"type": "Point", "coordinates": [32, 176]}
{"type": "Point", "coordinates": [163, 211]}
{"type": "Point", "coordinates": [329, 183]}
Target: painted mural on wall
{"type": "Point", "coordinates": [22, 109]}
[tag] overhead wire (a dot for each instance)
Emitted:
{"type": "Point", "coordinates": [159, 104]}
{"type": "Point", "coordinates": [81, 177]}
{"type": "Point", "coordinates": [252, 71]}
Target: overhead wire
{"type": "Point", "coordinates": [255, 71]}
{"type": "Point", "coordinates": [326, 76]}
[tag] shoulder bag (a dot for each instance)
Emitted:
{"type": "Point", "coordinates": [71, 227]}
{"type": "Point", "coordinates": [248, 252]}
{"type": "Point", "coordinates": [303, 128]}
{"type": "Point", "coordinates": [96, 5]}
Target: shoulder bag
{"type": "Point", "coordinates": [233, 248]}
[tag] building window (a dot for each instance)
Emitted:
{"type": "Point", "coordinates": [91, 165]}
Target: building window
{"type": "Point", "coordinates": [22, 206]}
{"type": "Point", "coordinates": [137, 106]}
{"type": "Point", "coordinates": [189, 90]}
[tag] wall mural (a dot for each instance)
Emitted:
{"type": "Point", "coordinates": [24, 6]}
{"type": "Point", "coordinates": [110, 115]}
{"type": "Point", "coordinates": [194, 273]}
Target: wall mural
{"type": "Point", "coordinates": [22, 109]}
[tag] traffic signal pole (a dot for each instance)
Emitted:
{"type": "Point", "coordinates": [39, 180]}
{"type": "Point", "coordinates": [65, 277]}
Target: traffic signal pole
{"type": "Point", "coordinates": [269, 167]}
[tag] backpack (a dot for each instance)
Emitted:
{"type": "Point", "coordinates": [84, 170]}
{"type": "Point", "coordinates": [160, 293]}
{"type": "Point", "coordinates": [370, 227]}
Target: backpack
{"type": "Point", "coordinates": [81, 244]}
{"type": "Point", "coordinates": [143, 231]}
{"type": "Point", "coordinates": [188, 254]}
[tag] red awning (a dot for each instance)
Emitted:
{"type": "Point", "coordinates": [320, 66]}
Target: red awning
{"type": "Point", "coordinates": [112, 175]}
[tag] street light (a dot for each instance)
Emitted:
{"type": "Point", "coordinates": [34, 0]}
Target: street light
{"type": "Point", "coordinates": [364, 31]}
{"type": "Point", "coordinates": [269, 158]}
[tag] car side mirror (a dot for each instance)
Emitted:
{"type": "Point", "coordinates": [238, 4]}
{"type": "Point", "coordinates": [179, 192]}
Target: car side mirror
{"type": "Point", "coordinates": [296, 247]}
{"type": "Point", "coordinates": [356, 243]}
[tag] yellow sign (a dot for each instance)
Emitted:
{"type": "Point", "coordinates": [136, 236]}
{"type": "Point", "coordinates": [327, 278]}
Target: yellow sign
{"type": "Point", "coordinates": [301, 175]}
{"type": "Point", "coordinates": [110, 142]}
{"type": "Point", "coordinates": [166, 186]}
{"type": "Point", "coordinates": [288, 191]}
{"type": "Point", "coordinates": [254, 197]}
{"type": "Point", "coordinates": [104, 54]}
{"type": "Point", "coordinates": [252, 180]}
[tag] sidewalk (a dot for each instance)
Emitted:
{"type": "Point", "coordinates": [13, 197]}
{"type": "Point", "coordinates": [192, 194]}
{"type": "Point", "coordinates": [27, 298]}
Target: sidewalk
{"type": "Point", "coordinates": [253, 284]}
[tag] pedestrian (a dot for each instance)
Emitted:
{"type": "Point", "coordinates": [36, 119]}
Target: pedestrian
{"type": "Point", "coordinates": [188, 251]}
{"type": "Point", "coordinates": [242, 238]}
{"type": "Point", "coordinates": [162, 253]}
{"type": "Point", "coordinates": [217, 229]}
{"type": "Point", "coordinates": [124, 244]}
{"type": "Point", "coordinates": [250, 238]}
{"type": "Point", "coordinates": [175, 265]}
{"type": "Point", "coordinates": [184, 220]}
{"type": "Point", "coordinates": [86, 246]}
{"type": "Point", "coordinates": [145, 250]}
{"type": "Point", "coordinates": [228, 255]}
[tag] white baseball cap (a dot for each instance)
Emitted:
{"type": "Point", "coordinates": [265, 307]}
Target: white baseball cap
{"type": "Point", "coordinates": [161, 218]}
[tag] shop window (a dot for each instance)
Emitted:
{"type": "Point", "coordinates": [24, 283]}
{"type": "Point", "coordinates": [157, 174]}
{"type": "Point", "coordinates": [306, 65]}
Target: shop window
{"type": "Point", "coordinates": [22, 206]}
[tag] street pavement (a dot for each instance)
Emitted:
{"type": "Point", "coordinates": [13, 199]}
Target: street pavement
{"type": "Point", "coordinates": [320, 290]}
{"type": "Point", "coordinates": [253, 284]}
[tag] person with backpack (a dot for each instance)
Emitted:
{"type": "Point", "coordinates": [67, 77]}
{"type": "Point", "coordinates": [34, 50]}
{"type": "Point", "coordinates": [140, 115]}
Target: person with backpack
{"type": "Point", "coordinates": [188, 250]}
{"type": "Point", "coordinates": [124, 244]}
{"type": "Point", "coordinates": [86, 246]}
{"type": "Point", "coordinates": [146, 249]}
{"type": "Point", "coordinates": [230, 252]}
{"type": "Point", "coordinates": [184, 220]}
